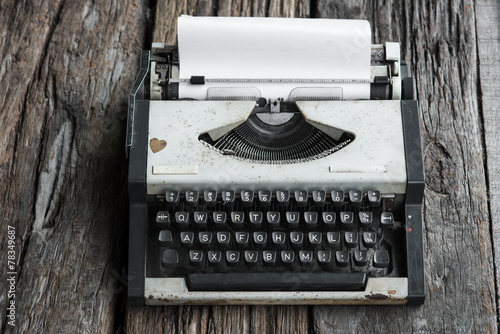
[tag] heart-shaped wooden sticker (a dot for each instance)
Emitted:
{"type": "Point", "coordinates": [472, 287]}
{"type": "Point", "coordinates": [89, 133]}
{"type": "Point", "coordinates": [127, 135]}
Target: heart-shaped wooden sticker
{"type": "Point", "coordinates": [157, 145]}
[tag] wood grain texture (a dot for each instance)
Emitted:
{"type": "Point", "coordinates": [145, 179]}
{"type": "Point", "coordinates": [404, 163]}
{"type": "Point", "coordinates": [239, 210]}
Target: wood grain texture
{"type": "Point", "coordinates": [220, 319]}
{"type": "Point", "coordinates": [63, 171]}
{"type": "Point", "coordinates": [66, 68]}
{"type": "Point", "coordinates": [167, 12]}
{"type": "Point", "coordinates": [21, 56]}
{"type": "Point", "coordinates": [488, 42]}
{"type": "Point", "coordinates": [439, 40]}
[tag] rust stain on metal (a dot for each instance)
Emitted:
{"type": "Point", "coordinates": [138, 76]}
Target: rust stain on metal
{"type": "Point", "coordinates": [157, 145]}
{"type": "Point", "coordinates": [377, 296]}
{"type": "Point", "coordinates": [151, 297]}
{"type": "Point", "coordinates": [392, 292]}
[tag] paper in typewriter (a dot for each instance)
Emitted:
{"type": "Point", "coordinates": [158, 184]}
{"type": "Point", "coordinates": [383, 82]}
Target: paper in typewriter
{"type": "Point", "coordinates": [309, 52]}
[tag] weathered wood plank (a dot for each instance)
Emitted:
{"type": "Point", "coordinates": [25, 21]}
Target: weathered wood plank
{"type": "Point", "coordinates": [488, 41]}
{"type": "Point", "coordinates": [20, 58]}
{"type": "Point", "coordinates": [19, 64]}
{"type": "Point", "coordinates": [70, 66]}
{"type": "Point", "coordinates": [167, 12]}
{"type": "Point", "coordinates": [439, 41]}
{"type": "Point", "coordinates": [190, 319]}
{"type": "Point", "coordinates": [220, 319]}
{"type": "Point", "coordinates": [289, 8]}
{"type": "Point", "coordinates": [280, 319]}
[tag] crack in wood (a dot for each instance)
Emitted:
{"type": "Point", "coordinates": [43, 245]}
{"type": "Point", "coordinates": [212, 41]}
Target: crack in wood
{"type": "Point", "coordinates": [48, 38]}
{"type": "Point", "coordinates": [487, 38]}
{"type": "Point", "coordinates": [51, 179]}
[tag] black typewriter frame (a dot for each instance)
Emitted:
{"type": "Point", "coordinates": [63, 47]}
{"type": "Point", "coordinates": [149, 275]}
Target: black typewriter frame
{"type": "Point", "coordinates": [137, 128]}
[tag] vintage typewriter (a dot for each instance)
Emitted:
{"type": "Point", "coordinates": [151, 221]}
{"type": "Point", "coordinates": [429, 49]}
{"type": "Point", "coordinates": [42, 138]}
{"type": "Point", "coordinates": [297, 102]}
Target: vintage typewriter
{"type": "Point", "coordinates": [269, 190]}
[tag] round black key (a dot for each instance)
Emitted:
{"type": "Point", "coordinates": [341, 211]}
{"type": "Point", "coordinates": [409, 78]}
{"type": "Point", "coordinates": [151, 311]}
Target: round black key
{"type": "Point", "coordinates": [381, 259]}
{"type": "Point", "coordinates": [311, 219]}
{"type": "Point", "coordinates": [242, 239]}
{"type": "Point", "coordinates": [282, 197]}
{"type": "Point", "coordinates": [347, 219]}
{"type": "Point", "coordinates": [214, 258]}
{"type": "Point", "coordinates": [292, 219]}
{"type": "Point", "coordinates": [278, 238]}
{"type": "Point", "coordinates": [355, 197]}
{"type": "Point", "coordinates": [255, 219]}
{"type": "Point", "coordinates": [342, 258]}
{"type": "Point", "coordinates": [269, 258]}
{"type": "Point", "coordinates": [232, 258]}
{"type": "Point", "coordinates": [228, 197]}
{"type": "Point", "coordinates": [165, 236]}
{"type": "Point", "coordinates": [324, 257]}
{"type": "Point", "coordinates": [163, 218]}
{"type": "Point", "coordinates": [182, 219]}
{"type": "Point", "coordinates": [238, 218]}
{"type": "Point", "coordinates": [333, 238]}
{"type": "Point", "coordinates": [337, 198]}
{"type": "Point", "coordinates": [246, 197]}
{"type": "Point", "coordinates": [287, 257]}
{"type": "Point", "coordinates": [251, 257]}
{"type": "Point", "coordinates": [373, 198]}
{"type": "Point", "coordinates": [265, 197]}
{"type": "Point", "coordinates": [205, 238]}
{"type": "Point", "coordinates": [187, 239]}
{"type": "Point", "coordinates": [319, 198]}
{"type": "Point", "coordinates": [195, 257]}
{"type": "Point", "coordinates": [191, 197]}
{"type": "Point", "coordinates": [369, 239]}
{"type": "Point", "coordinates": [365, 219]}
{"type": "Point", "coordinates": [360, 258]}
{"type": "Point", "coordinates": [305, 257]}
{"type": "Point", "coordinates": [260, 239]}
{"type": "Point", "coordinates": [170, 258]}
{"type": "Point", "coordinates": [200, 219]}
{"type": "Point", "coordinates": [386, 220]}
{"type": "Point", "coordinates": [296, 238]}
{"type": "Point", "coordinates": [219, 219]}
{"type": "Point", "coordinates": [172, 198]}
{"type": "Point", "coordinates": [301, 198]}
{"type": "Point", "coordinates": [273, 218]}
{"type": "Point", "coordinates": [329, 219]}
{"type": "Point", "coordinates": [210, 197]}
{"type": "Point", "coordinates": [315, 238]}
{"type": "Point", "coordinates": [351, 239]}
{"type": "Point", "coordinates": [223, 238]}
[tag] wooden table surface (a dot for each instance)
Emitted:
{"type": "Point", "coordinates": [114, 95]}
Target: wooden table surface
{"type": "Point", "coordinates": [66, 68]}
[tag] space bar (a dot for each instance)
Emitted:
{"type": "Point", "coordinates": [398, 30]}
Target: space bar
{"type": "Point", "coordinates": [277, 281]}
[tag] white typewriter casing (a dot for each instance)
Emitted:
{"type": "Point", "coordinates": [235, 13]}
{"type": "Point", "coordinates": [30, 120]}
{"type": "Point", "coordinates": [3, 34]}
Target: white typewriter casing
{"type": "Point", "coordinates": [375, 159]}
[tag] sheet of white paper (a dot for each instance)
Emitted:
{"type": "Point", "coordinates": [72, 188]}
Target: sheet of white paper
{"type": "Point", "coordinates": [274, 48]}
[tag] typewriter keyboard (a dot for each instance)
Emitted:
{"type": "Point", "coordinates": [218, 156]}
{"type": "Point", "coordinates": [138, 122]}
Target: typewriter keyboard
{"type": "Point", "coordinates": [276, 240]}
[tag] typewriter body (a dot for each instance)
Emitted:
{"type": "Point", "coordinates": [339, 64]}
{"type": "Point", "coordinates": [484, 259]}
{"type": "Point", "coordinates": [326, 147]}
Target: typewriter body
{"type": "Point", "coordinates": [238, 198]}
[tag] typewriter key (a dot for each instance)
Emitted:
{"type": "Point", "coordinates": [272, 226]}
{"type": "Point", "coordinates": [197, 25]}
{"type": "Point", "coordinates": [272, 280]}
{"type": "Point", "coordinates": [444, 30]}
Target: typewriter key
{"type": "Point", "coordinates": [381, 259]}
{"type": "Point", "coordinates": [337, 198]}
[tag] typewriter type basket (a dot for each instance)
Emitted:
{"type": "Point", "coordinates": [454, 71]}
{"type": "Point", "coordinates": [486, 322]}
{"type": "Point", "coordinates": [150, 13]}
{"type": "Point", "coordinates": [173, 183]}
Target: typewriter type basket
{"type": "Point", "coordinates": [291, 142]}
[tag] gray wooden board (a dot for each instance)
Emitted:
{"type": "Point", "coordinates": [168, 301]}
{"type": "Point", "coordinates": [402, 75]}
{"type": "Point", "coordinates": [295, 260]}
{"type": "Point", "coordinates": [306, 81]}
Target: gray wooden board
{"type": "Point", "coordinates": [66, 68]}
{"type": "Point", "coordinates": [488, 41]}
{"type": "Point", "coordinates": [66, 71]}
{"type": "Point", "coordinates": [439, 40]}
